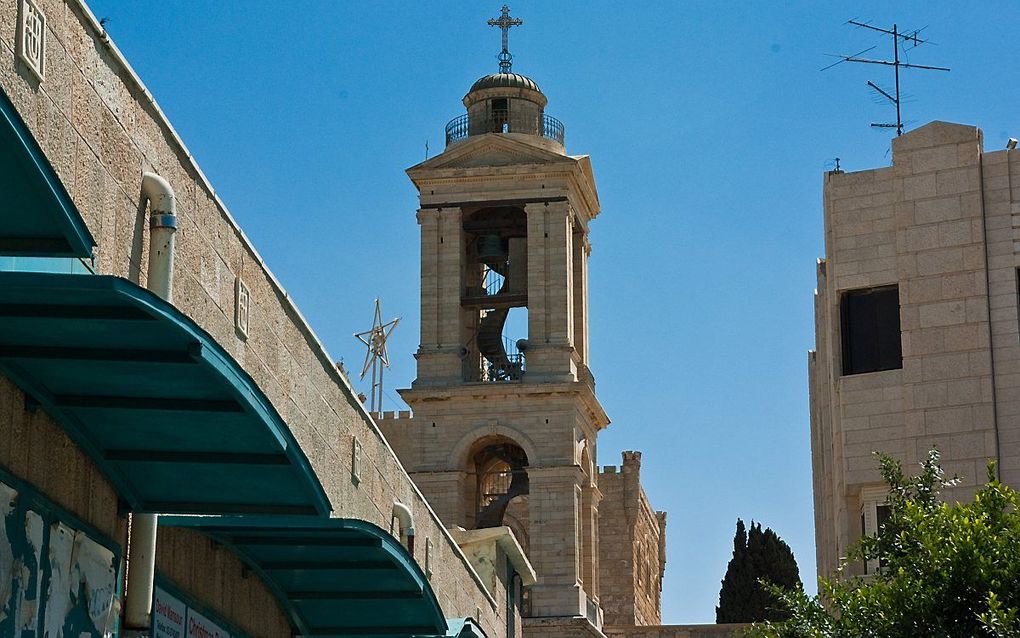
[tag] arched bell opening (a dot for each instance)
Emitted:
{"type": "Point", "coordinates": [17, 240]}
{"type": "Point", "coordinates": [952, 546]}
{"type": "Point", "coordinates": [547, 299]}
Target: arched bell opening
{"type": "Point", "coordinates": [495, 288]}
{"type": "Point", "coordinates": [498, 478]}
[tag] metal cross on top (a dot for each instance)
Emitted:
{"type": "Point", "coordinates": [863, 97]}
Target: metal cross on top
{"type": "Point", "coordinates": [504, 23]}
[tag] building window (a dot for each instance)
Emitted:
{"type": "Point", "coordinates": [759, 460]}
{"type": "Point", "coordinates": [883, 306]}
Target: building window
{"type": "Point", "coordinates": [428, 558]}
{"type": "Point", "coordinates": [500, 115]}
{"type": "Point", "coordinates": [355, 460]}
{"type": "Point", "coordinates": [871, 330]}
{"type": "Point", "coordinates": [874, 515]}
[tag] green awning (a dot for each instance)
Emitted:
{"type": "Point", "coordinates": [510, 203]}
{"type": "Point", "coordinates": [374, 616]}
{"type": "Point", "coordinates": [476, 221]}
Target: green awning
{"type": "Point", "coordinates": [464, 628]}
{"type": "Point", "coordinates": [343, 578]}
{"type": "Point", "coordinates": [37, 216]}
{"type": "Point", "coordinates": [171, 419]}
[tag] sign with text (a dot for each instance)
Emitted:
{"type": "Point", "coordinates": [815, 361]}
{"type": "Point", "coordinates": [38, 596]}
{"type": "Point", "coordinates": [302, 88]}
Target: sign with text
{"type": "Point", "coordinates": [168, 615]}
{"type": "Point", "coordinates": [201, 627]}
{"type": "Point", "coordinates": [173, 618]}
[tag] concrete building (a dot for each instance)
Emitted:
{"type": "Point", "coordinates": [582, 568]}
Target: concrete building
{"type": "Point", "coordinates": [916, 326]}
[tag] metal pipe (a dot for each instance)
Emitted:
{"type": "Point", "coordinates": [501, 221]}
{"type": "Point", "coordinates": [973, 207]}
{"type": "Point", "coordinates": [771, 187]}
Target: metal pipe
{"type": "Point", "coordinates": [405, 518]}
{"type": "Point", "coordinates": [162, 228]}
{"type": "Point", "coordinates": [159, 279]}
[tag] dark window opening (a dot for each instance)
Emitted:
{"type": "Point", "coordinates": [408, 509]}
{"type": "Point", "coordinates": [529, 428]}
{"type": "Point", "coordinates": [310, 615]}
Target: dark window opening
{"type": "Point", "coordinates": [871, 330]}
{"type": "Point", "coordinates": [500, 108]}
{"type": "Point", "coordinates": [881, 517]}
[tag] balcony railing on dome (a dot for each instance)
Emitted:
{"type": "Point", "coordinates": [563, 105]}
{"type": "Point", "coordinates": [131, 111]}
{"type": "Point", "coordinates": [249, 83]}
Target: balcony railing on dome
{"type": "Point", "coordinates": [463, 126]}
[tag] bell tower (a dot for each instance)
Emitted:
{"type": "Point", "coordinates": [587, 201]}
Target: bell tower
{"type": "Point", "coordinates": [505, 417]}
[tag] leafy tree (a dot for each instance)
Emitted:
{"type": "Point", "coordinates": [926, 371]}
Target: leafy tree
{"type": "Point", "coordinates": [760, 559]}
{"type": "Point", "coordinates": [947, 570]}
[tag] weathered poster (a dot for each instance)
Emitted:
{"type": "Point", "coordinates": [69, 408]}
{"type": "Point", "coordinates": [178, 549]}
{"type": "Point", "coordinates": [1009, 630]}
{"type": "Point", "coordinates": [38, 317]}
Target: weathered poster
{"type": "Point", "coordinates": [169, 615]}
{"type": "Point", "coordinates": [30, 577]}
{"type": "Point", "coordinates": [201, 627]}
{"type": "Point", "coordinates": [8, 500]}
{"type": "Point", "coordinates": [58, 593]}
{"type": "Point", "coordinates": [94, 576]}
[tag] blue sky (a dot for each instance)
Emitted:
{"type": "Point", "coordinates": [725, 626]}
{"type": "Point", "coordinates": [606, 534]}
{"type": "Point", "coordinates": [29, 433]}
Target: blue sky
{"type": "Point", "coordinates": [709, 126]}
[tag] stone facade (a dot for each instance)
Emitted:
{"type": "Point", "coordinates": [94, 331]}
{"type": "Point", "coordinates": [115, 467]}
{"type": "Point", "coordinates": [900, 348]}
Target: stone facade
{"type": "Point", "coordinates": [516, 205]}
{"type": "Point", "coordinates": [943, 224]}
{"type": "Point", "coordinates": [632, 538]}
{"type": "Point", "coordinates": [100, 129]}
{"type": "Point", "coordinates": [677, 631]}
{"type": "Point", "coordinates": [551, 414]}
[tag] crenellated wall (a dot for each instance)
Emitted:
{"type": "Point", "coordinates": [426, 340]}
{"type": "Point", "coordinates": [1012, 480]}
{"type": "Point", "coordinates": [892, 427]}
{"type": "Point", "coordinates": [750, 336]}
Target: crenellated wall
{"type": "Point", "coordinates": [632, 538]}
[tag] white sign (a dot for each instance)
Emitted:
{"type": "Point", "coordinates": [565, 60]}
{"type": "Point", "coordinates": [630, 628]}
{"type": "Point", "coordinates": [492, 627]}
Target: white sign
{"type": "Point", "coordinates": [169, 616]}
{"type": "Point", "coordinates": [201, 627]}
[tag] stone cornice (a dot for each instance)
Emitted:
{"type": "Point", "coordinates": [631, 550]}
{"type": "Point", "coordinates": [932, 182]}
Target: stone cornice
{"type": "Point", "coordinates": [532, 163]}
{"type": "Point", "coordinates": [474, 391]}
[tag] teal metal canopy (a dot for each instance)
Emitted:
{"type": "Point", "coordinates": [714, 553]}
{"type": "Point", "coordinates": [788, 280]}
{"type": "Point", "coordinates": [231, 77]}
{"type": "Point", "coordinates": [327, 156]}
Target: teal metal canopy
{"type": "Point", "coordinates": [171, 419]}
{"type": "Point", "coordinates": [341, 578]}
{"type": "Point", "coordinates": [37, 216]}
{"type": "Point", "coordinates": [464, 628]}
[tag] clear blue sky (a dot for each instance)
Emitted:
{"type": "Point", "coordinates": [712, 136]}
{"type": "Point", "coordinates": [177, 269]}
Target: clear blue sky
{"type": "Point", "coordinates": [709, 126]}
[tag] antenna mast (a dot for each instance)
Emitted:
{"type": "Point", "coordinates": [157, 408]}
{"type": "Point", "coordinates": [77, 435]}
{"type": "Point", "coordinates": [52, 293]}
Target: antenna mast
{"type": "Point", "coordinates": [898, 38]}
{"type": "Point", "coordinates": [376, 359]}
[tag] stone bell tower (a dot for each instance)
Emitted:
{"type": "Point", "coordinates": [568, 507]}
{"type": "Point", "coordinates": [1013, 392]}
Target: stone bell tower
{"type": "Point", "coordinates": [505, 414]}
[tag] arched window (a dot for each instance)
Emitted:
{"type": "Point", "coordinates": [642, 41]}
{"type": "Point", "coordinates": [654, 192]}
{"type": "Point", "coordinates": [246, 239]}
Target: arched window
{"type": "Point", "coordinates": [500, 470]}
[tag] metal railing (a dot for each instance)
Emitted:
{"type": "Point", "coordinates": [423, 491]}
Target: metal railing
{"type": "Point", "coordinates": [463, 126]}
{"type": "Point", "coordinates": [478, 369]}
{"type": "Point", "coordinates": [494, 485]}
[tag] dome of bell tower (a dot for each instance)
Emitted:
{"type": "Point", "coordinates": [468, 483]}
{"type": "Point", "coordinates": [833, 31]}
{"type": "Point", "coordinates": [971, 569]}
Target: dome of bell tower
{"type": "Point", "coordinates": [504, 80]}
{"type": "Point", "coordinates": [505, 102]}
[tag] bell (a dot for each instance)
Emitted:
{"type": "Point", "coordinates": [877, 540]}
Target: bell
{"type": "Point", "coordinates": [491, 247]}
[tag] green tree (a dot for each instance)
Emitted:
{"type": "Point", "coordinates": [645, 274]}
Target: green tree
{"type": "Point", "coordinates": [947, 570]}
{"type": "Point", "coordinates": [760, 559]}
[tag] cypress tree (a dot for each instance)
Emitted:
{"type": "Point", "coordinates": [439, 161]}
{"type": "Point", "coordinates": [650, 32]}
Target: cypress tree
{"type": "Point", "coordinates": [757, 555]}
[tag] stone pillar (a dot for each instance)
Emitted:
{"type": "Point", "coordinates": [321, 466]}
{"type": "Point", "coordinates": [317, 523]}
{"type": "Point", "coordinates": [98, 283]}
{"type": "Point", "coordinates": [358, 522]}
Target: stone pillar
{"type": "Point", "coordinates": [550, 355]}
{"type": "Point", "coordinates": [590, 497]}
{"type": "Point", "coordinates": [581, 252]}
{"type": "Point", "coordinates": [555, 505]}
{"type": "Point", "coordinates": [442, 241]}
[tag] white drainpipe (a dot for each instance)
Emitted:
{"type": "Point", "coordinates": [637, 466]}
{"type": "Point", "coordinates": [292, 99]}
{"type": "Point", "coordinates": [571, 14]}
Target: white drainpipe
{"type": "Point", "coordinates": [403, 515]}
{"type": "Point", "coordinates": [159, 279]}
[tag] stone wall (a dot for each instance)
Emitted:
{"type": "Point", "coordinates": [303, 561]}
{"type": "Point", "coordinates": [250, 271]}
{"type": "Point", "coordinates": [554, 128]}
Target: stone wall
{"type": "Point", "coordinates": [676, 631]}
{"type": "Point", "coordinates": [218, 579]}
{"type": "Point", "coordinates": [941, 223]}
{"type": "Point", "coordinates": [96, 123]}
{"type": "Point", "coordinates": [632, 541]}
{"type": "Point", "coordinates": [35, 449]}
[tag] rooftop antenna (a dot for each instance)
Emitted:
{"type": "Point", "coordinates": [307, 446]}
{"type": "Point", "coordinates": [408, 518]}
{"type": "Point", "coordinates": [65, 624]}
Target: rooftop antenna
{"type": "Point", "coordinates": [898, 39]}
{"type": "Point", "coordinates": [833, 166]}
{"type": "Point", "coordinates": [376, 359]}
{"type": "Point", "coordinates": [504, 22]}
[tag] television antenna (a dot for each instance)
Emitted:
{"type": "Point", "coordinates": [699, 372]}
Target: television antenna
{"type": "Point", "coordinates": [377, 358]}
{"type": "Point", "coordinates": [899, 38]}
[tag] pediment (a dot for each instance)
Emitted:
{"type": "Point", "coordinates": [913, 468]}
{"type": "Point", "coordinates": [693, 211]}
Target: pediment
{"type": "Point", "coordinates": [491, 150]}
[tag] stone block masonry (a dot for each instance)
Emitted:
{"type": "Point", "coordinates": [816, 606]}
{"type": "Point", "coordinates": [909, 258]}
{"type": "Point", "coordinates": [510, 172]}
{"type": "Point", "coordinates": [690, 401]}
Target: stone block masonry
{"type": "Point", "coordinates": [940, 224]}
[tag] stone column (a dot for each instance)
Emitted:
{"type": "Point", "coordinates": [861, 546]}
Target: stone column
{"type": "Point", "coordinates": [554, 508]}
{"type": "Point", "coordinates": [442, 240]}
{"type": "Point", "coordinates": [590, 497]}
{"type": "Point", "coordinates": [550, 355]}
{"type": "Point", "coordinates": [581, 252]}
